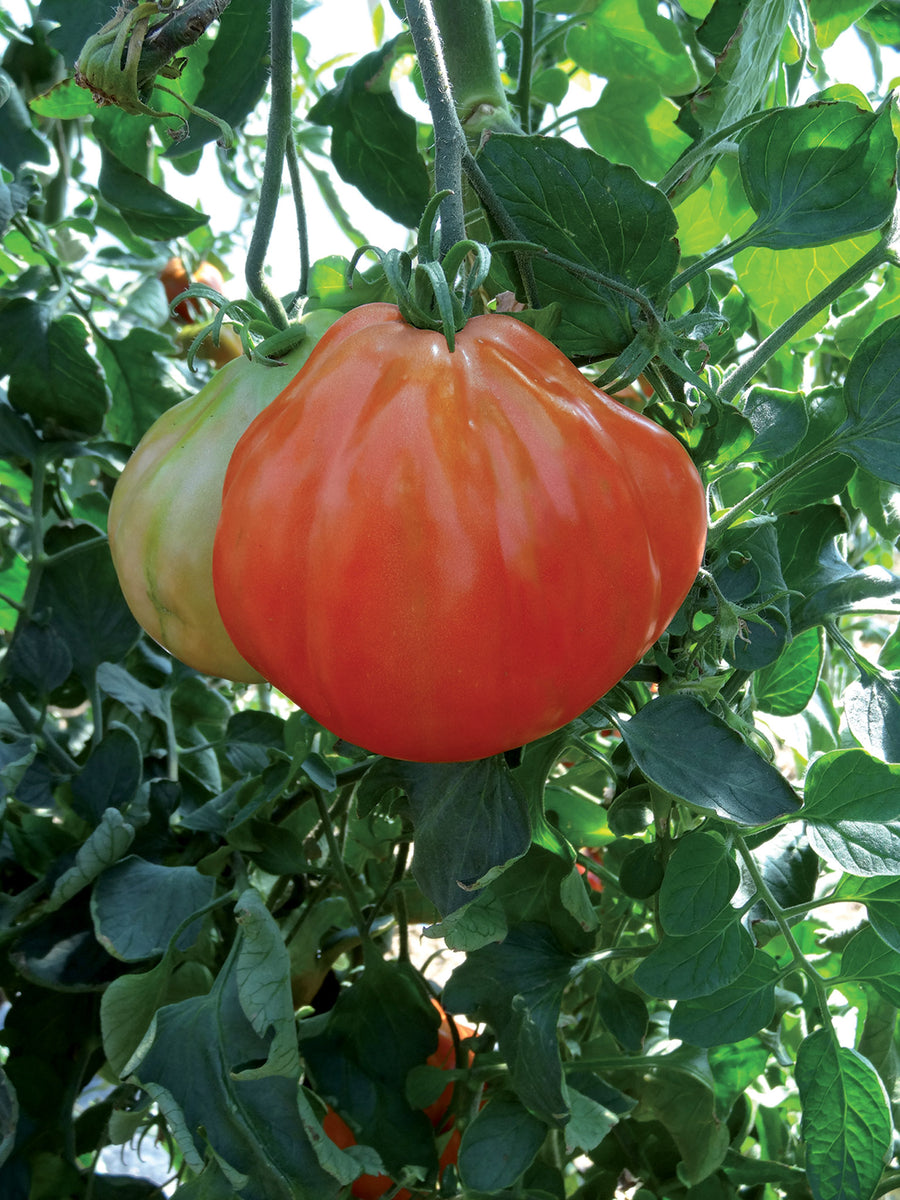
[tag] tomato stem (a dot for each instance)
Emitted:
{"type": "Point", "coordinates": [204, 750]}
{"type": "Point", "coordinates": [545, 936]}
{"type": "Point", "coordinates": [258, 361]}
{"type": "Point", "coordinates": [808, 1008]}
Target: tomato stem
{"type": "Point", "coordinates": [449, 139]}
{"type": "Point", "coordinates": [278, 134]}
{"type": "Point", "coordinates": [855, 274]}
{"type": "Point", "coordinates": [470, 55]}
{"type": "Point", "coordinates": [522, 98]}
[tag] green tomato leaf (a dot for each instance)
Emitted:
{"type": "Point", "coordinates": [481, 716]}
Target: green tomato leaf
{"type": "Point", "coordinates": [234, 74]}
{"type": "Point", "coordinates": [19, 142]}
{"type": "Point", "coordinates": [9, 1116]}
{"type": "Point", "coordinates": [360, 1055]}
{"type": "Point", "coordinates": [137, 697]}
{"type": "Point", "coordinates": [697, 964]}
{"type": "Point", "coordinates": [73, 27]}
{"type": "Point", "coordinates": [710, 211]}
{"type": "Point", "coordinates": [517, 987]}
{"type": "Point", "coordinates": [851, 810]}
{"type": "Point", "coordinates": [263, 974]}
{"type": "Point", "coordinates": [778, 282]}
{"type": "Point", "coordinates": [596, 1109]}
{"type": "Point", "coordinates": [831, 17]}
{"type": "Point", "coordinates": [872, 709]}
{"type": "Point", "coordinates": [252, 1126]}
{"type": "Point", "coordinates": [847, 1125]}
{"type": "Point", "coordinates": [53, 378]}
{"type": "Point", "coordinates": [732, 1013]}
{"type": "Point", "coordinates": [787, 686]}
{"type": "Point", "coordinates": [38, 660]}
{"type": "Point", "coordinates": [65, 101]}
{"type": "Point", "coordinates": [146, 208]}
{"type": "Point", "coordinates": [628, 39]}
{"type": "Point", "coordinates": [596, 215]}
{"type": "Point", "coordinates": [471, 822]}
{"type": "Point", "coordinates": [143, 380]}
{"type": "Point", "coordinates": [870, 959]}
{"type": "Point", "coordinates": [745, 40]}
{"type": "Point", "coordinates": [373, 141]}
{"type": "Point", "coordinates": [779, 421]}
{"type": "Point", "coordinates": [690, 752]}
{"type": "Point", "coordinates": [817, 174]}
{"type": "Point", "coordinates": [679, 1095]}
{"type": "Point", "coordinates": [634, 124]}
{"type": "Point", "coordinates": [103, 847]}
{"type": "Point", "coordinates": [110, 778]}
{"type": "Point", "coordinates": [872, 395]}
{"type": "Point", "coordinates": [81, 592]}
{"type": "Point", "coordinates": [623, 1012]}
{"type": "Point", "coordinates": [503, 1122]}
{"type": "Point", "coordinates": [814, 567]}
{"type": "Point", "coordinates": [137, 906]}
{"type": "Point", "coordinates": [882, 901]}
{"type": "Point", "coordinates": [127, 1009]}
{"type": "Point", "coordinates": [701, 877]}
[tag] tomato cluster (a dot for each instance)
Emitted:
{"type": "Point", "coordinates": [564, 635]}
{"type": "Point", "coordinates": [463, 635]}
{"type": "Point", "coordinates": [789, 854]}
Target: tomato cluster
{"type": "Point", "coordinates": [439, 555]}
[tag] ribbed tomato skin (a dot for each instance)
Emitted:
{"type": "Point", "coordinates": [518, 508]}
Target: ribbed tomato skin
{"type": "Point", "coordinates": [441, 556]}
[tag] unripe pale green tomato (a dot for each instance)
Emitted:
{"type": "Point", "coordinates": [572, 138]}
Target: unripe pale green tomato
{"type": "Point", "coordinates": [166, 503]}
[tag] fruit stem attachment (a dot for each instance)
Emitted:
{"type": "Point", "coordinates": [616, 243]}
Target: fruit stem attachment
{"type": "Point", "coordinates": [433, 294]}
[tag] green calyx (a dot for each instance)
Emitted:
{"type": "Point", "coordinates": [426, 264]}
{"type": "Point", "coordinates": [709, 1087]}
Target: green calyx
{"type": "Point", "coordinates": [109, 66]}
{"type": "Point", "coordinates": [434, 292]}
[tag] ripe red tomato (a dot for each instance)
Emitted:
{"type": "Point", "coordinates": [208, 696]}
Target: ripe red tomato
{"type": "Point", "coordinates": [441, 556]}
{"type": "Point", "coordinates": [174, 278]}
{"type": "Point", "coordinates": [164, 509]}
{"type": "Point", "coordinates": [370, 1187]}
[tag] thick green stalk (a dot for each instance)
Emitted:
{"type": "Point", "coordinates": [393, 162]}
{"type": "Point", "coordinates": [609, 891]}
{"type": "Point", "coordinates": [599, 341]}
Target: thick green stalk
{"type": "Point", "coordinates": [470, 53]}
{"type": "Point", "coordinates": [449, 139]}
{"type": "Point", "coordinates": [522, 98]}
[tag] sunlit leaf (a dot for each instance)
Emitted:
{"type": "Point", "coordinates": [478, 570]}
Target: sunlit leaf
{"type": "Point", "coordinates": [594, 214]}
{"type": "Point", "coordinates": [627, 39]}
{"type": "Point", "coordinates": [851, 808]}
{"type": "Point", "coordinates": [634, 125]}
{"type": "Point", "coordinates": [819, 173]}
{"type": "Point", "coordinates": [846, 1120]}
{"type": "Point", "coordinates": [787, 686]}
{"type": "Point", "coordinates": [779, 281]}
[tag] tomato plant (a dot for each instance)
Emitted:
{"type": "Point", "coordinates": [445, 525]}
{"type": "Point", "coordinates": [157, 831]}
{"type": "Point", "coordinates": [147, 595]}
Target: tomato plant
{"type": "Point", "coordinates": [165, 507]}
{"type": "Point", "coordinates": [411, 522]}
{"type": "Point", "coordinates": [220, 918]}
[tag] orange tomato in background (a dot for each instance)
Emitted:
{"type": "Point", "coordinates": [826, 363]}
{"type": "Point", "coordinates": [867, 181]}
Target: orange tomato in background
{"type": "Point", "coordinates": [175, 279]}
